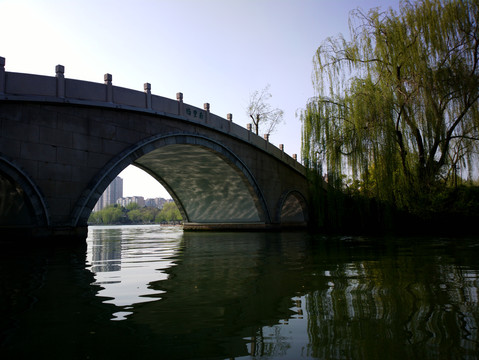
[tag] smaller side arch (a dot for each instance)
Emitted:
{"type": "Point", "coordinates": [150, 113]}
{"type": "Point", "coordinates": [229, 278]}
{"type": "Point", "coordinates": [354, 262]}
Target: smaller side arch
{"type": "Point", "coordinates": [292, 209]}
{"type": "Point", "coordinates": [25, 192]}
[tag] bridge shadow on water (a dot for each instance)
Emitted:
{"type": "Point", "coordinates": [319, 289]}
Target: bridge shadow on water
{"type": "Point", "coordinates": [217, 295]}
{"type": "Point", "coordinates": [362, 298]}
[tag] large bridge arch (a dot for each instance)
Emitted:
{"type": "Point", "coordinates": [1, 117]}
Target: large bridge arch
{"type": "Point", "coordinates": [209, 183]}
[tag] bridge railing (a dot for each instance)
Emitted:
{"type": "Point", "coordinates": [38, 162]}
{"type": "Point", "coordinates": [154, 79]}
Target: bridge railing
{"type": "Point", "coordinates": [32, 87]}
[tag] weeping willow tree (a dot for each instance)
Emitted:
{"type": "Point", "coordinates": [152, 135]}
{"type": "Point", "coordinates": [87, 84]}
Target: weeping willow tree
{"type": "Point", "coordinates": [397, 106]}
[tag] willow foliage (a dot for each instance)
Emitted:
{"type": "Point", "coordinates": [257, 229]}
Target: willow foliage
{"type": "Point", "coordinates": [397, 105]}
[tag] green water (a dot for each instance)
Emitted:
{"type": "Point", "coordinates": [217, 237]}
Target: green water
{"type": "Point", "coordinates": [152, 292]}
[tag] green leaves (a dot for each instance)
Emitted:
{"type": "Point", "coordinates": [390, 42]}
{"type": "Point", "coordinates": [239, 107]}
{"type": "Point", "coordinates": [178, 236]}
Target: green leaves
{"type": "Point", "coordinates": [397, 105]}
{"type": "Point", "coordinates": [114, 214]}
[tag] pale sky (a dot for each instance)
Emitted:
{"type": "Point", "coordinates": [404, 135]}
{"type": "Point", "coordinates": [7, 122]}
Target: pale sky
{"type": "Point", "coordinates": [215, 51]}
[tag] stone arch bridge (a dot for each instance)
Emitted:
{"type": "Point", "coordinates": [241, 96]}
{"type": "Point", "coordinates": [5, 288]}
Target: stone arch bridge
{"type": "Point", "coordinates": [62, 142]}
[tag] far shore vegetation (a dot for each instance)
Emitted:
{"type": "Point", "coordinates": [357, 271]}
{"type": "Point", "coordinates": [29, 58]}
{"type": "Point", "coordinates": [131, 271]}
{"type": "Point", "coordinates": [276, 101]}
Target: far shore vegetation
{"type": "Point", "coordinates": [393, 131]}
{"type": "Point", "coordinates": [134, 214]}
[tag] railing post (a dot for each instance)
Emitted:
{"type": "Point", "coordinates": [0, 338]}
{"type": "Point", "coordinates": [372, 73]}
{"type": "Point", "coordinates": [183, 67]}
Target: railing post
{"type": "Point", "coordinates": [109, 87]}
{"type": "Point", "coordinates": [206, 106]}
{"type": "Point", "coordinates": [179, 97]}
{"type": "Point", "coordinates": [60, 75]}
{"type": "Point", "coordinates": [295, 157]}
{"type": "Point", "coordinates": [147, 88]}
{"type": "Point", "coordinates": [2, 75]}
{"type": "Point", "coordinates": [249, 127]}
{"type": "Point", "coordinates": [230, 121]}
{"type": "Point", "coordinates": [266, 139]}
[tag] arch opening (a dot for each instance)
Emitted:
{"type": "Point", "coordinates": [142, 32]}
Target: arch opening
{"type": "Point", "coordinates": [135, 197]}
{"type": "Point", "coordinates": [208, 183]}
{"type": "Point", "coordinates": [293, 209]}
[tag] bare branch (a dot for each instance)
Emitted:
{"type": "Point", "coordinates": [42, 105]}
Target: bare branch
{"type": "Point", "coordinates": [262, 113]}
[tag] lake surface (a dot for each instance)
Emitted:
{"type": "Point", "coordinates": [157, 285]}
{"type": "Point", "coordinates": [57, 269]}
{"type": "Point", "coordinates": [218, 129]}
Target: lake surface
{"type": "Point", "coordinates": [152, 292]}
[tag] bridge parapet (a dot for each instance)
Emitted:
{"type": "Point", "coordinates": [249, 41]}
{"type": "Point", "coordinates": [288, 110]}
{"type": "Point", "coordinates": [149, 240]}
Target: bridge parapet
{"type": "Point", "coordinates": [58, 89]}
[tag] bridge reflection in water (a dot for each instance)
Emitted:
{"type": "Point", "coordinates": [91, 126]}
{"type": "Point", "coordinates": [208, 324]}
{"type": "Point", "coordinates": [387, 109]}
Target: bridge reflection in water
{"type": "Point", "coordinates": [232, 295]}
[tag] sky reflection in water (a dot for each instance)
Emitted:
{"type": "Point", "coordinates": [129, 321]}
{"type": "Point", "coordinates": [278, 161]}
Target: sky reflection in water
{"type": "Point", "coordinates": [126, 260]}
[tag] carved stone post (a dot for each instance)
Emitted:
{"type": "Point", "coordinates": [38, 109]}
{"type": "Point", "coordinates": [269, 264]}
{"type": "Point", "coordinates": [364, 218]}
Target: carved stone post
{"type": "Point", "coordinates": [206, 106]}
{"type": "Point", "coordinates": [109, 87]}
{"type": "Point", "coordinates": [147, 88]}
{"type": "Point", "coordinates": [230, 121]}
{"type": "Point", "coordinates": [60, 75]}
{"type": "Point", "coordinates": [179, 97]}
{"type": "Point", "coordinates": [266, 138]}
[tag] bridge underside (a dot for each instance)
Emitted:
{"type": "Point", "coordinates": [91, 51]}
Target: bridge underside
{"type": "Point", "coordinates": [205, 186]}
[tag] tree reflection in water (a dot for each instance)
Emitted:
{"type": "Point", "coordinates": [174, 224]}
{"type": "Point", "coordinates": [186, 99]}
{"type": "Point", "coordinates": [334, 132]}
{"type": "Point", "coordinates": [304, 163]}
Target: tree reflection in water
{"type": "Point", "coordinates": [418, 306]}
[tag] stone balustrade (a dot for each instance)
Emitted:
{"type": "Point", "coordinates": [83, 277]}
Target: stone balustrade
{"type": "Point", "coordinates": [39, 88]}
